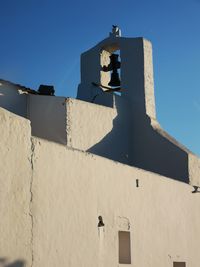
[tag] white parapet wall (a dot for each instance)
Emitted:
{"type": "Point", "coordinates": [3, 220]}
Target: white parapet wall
{"type": "Point", "coordinates": [108, 132]}
{"type": "Point", "coordinates": [15, 194]}
{"type": "Point", "coordinates": [87, 123]}
{"type": "Point", "coordinates": [80, 125]}
{"type": "Point", "coordinates": [97, 129]}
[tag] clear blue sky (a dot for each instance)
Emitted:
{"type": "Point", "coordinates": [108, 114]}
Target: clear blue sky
{"type": "Point", "coordinates": [41, 42]}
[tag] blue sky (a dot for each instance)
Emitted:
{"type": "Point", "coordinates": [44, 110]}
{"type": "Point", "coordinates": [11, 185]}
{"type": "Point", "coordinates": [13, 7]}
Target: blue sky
{"type": "Point", "coordinates": [41, 42]}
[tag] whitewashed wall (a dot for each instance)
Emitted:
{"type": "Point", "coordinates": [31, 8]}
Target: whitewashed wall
{"type": "Point", "coordinates": [15, 195]}
{"type": "Point", "coordinates": [51, 197]}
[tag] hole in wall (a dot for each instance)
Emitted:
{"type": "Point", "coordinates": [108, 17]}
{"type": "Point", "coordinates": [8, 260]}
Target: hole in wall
{"type": "Point", "coordinates": [100, 223]}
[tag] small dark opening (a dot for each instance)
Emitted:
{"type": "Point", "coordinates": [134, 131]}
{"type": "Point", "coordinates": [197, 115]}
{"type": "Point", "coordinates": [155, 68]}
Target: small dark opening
{"type": "Point", "coordinates": [124, 247]}
{"type": "Point", "coordinates": [179, 264]}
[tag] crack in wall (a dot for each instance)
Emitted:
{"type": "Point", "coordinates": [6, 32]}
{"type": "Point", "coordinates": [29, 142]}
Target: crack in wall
{"type": "Point", "coordinates": [31, 199]}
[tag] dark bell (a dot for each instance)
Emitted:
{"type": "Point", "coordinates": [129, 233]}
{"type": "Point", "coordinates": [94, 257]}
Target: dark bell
{"type": "Point", "coordinates": [114, 81]}
{"type": "Point", "coordinates": [113, 67]}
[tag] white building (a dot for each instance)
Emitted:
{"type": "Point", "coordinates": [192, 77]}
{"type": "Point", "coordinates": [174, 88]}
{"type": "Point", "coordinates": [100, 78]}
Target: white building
{"type": "Point", "coordinates": [96, 181]}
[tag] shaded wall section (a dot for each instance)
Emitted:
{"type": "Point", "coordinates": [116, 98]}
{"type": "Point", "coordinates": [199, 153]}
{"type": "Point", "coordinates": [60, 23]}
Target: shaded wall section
{"type": "Point", "coordinates": [155, 150]}
{"type": "Point", "coordinates": [48, 117]}
{"type": "Point", "coordinates": [12, 100]}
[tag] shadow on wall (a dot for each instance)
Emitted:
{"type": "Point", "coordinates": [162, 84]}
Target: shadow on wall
{"type": "Point", "coordinates": [17, 263]}
{"type": "Point", "coordinates": [115, 145]}
{"type": "Point", "coordinates": [135, 142]}
{"type": "Point", "coordinates": [11, 100]}
{"type": "Point", "coordinates": [156, 151]}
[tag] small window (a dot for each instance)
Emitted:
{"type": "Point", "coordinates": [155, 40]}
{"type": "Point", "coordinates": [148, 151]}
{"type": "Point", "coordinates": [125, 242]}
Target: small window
{"type": "Point", "coordinates": [124, 247]}
{"type": "Point", "coordinates": [179, 264]}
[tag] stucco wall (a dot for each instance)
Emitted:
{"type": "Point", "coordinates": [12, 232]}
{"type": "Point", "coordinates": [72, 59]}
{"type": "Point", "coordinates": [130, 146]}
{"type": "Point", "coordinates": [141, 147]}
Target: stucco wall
{"type": "Point", "coordinates": [94, 128]}
{"type": "Point", "coordinates": [131, 139]}
{"type": "Point", "coordinates": [163, 214]}
{"type": "Point", "coordinates": [51, 197]}
{"type": "Point", "coordinates": [15, 195]}
{"type": "Point", "coordinates": [194, 169]}
{"type": "Point", "coordinates": [114, 133]}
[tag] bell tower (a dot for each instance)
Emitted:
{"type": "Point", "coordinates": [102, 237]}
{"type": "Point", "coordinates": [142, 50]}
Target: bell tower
{"type": "Point", "coordinates": [118, 73]}
{"type": "Point", "coordinates": [119, 64]}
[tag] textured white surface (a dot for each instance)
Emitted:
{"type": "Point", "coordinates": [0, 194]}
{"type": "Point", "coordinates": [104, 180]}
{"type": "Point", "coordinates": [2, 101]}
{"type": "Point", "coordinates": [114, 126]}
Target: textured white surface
{"type": "Point", "coordinates": [74, 188]}
{"type": "Point", "coordinates": [88, 123]}
{"type": "Point", "coordinates": [15, 196]}
{"type": "Point", "coordinates": [148, 80]}
{"type": "Point", "coordinates": [194, 169]}
{"type": "Point", "coordinates": [51, 197]}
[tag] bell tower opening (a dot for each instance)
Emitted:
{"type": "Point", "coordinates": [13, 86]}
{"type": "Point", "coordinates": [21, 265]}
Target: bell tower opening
{"type": "Point", "coordinates": [110, 74]}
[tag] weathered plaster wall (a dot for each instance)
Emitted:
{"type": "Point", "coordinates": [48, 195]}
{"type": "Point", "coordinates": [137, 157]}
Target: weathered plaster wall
{"type": "Point", "coordinates": [123, 133]}
{"type": "Point", "coordinates": [51, 197]}
{"type": "Point", "coordinates": [163, 214]}
{"type": "Point", "coordinates": [96, 129]}
{"type": "Point", "coordinates": [80, 125]}
{"type": "Point", "coordinates": [113, 133]}
{"type": "Point", "coordinates": [133, 139]}
{"type": "Point", "coordinates": [15, 196]}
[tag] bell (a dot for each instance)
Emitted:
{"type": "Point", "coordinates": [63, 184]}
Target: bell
{"type": "Point", "coordinates": [113, 66]}
{"type": "Point", "coordinates": [114, 81]}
